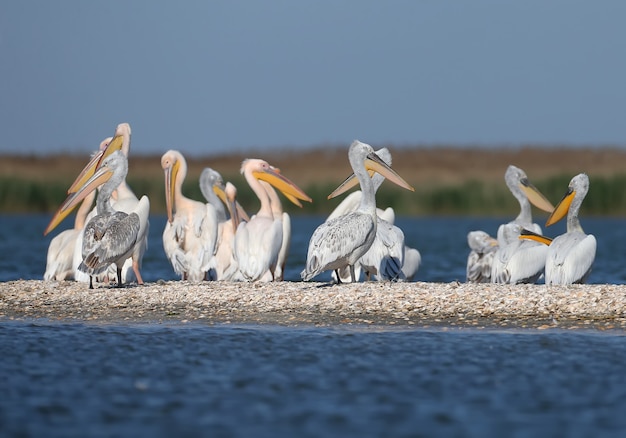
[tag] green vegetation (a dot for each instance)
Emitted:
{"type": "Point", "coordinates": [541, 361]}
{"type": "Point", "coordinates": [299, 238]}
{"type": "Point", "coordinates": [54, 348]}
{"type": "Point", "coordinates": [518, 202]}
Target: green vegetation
{"type": "Point", "coordinates": [606, 196]}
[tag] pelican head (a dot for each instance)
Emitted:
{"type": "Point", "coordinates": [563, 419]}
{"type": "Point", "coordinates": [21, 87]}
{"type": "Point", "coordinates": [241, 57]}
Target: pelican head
{"type": "Point", "coordinates": [518, 183]}
{"type": "Point", "coordinates": [262, 170]}
{"type": "Point", "coordinates": [173, 164]}
{"type": "Point", "coordinates": [577, 188]}
{"type": "Point", "coordinates": [373, 164]}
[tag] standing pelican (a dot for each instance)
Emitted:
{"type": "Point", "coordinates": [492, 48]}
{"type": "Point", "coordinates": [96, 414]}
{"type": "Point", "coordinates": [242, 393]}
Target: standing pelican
{"type": "Point", "coordinates": [110, 236]}
{"type": "Point", "coordinates": [344, 240]}
{"type": "Point", "coordinates": [385, 258]}
{"type": "Point", "coordinates": [259, 241]}
{"type": "Point", "coordinates": [61, 248]}
{"type": "Point", "coordinates": [223, 197]}
{"type": "Point", "coordinates": [570, 255]}
{"type": "Point", "coordinates": [190, 233]}
{"type": "Point", "coordinates": [483, 248]}
{"type": "Point", "coordinates": [520, 261]}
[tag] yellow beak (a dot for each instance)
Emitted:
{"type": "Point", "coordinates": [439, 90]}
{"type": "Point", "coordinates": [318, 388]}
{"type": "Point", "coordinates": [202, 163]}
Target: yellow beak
{"type": "Point", "coordinates": [535, 196]}
{"type": "Point", "coordinates": [529, 235]}
{"type": "Point", "coordinates": [287, 188]}
{"type": "Point", "coordinates": [561, 209]}
{"type": "Point", "coordinates": [114, 145]}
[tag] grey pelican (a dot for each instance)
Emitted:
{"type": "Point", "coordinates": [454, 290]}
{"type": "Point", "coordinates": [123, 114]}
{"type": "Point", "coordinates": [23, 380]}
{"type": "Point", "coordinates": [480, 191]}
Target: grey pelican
{"type": "Point", "coordinates": [344, 240]}
{"type": "Point", "coordinates": [224, 198]}
{"type": "Point", "coordinates": [190, 234]}
{"type": "Point", "coordinates": [520, 261]}
{"type": "Point", "coordinates": [483, 248]}
{"type": "Point", "coordinates": [110, 236]}
{"type": "Point", "coordinates": [570, 255]}
{"type": "Point", "coordinates": [386, 256]}
{"type": "Point", "coordinates": [258, 242]}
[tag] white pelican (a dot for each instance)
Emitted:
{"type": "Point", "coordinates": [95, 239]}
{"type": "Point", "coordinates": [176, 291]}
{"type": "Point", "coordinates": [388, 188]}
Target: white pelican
{"type": "Point", "coordinates": [344, 240]}
{"type": "Point", "coordinates": [277, 271]}
{"type": "Point", "coordinates": [570, 255]}
{"type": "Point", "coordinates": [110, 236]}
{"type": "Point", "coordinates": [520, 261]}
{"type": "Point", "coordinates": [61, 248]}
{"type": "Point", "coordinates": [190, 233]}
{"type": "Point", "coordinates": [385, 258]}
{"type": "Point", "coordinates": [483, 248]}
{"type": "Point", "coordinates": [259, 241]}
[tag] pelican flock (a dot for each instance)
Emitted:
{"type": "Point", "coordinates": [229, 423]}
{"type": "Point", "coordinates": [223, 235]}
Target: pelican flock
{"type": "Point", "coordinates": [216, 239]}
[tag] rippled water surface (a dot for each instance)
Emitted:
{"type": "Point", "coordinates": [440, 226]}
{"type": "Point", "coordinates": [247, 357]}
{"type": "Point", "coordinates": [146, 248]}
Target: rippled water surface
{"type": "Point", "coordinates": [78, 380]}
{"type": "Point", "coordinates": [60, 379]}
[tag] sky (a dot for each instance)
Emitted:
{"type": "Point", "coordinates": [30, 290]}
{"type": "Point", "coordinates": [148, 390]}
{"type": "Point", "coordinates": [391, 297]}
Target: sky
{"type": "Point", "coordinates": [212, 77]}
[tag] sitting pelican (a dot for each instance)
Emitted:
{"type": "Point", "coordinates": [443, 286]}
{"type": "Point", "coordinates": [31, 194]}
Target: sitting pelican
{"type": "Point", "coordinates": [190, 233]}
{"type": "Point", "coordinates": [385, 258]}
{"type": "Point", "coordinates": [570, 255]}
{"type": "Point", "coordinates": [61, 248]}
{"type": "Point", "coordinates": [344, 240]}
{"type": "Point", "coordinates": [520, 261]}
{"type": "Point", "coordinates": [483, 248]}
{"type": "Point", "coordinates": [110, 236]}
{"type": "Point", "coordinates": [258, 242]}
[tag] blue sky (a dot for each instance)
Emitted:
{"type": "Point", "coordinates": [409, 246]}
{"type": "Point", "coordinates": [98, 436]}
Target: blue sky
{"type": "Point", "coordinates": [208, 77]}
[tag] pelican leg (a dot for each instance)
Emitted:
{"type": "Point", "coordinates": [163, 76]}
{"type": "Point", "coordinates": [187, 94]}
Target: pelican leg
{"type": "Point", "coordinates": [90, 282]}
{"type": "Point", "coordinates": [136, 270]}
{"type": "Point", "coordinates": [352, 275]}
{"type": "Point", "coordinates": [338, 277]}
{"type": "Point", "coordinates": [119, 277]}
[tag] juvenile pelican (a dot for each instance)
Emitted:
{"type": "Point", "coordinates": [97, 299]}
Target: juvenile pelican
{"type": "Point", "coordinates": [344, 240]}
{"type": "Point", "coordinates": [190, 233]}
{"type": "Point", "coordinates": [259, 241]}
{"type": "Point", "coordinates": [61, 248]}
{"type": "Point", "coordinates": [520, 261]}
{"type": "Point", "coordinates": [570, 255]}
{"type": "Point", "coordinates": [483, 248]}
{"type": "Point", "coordinates": [110, 236]}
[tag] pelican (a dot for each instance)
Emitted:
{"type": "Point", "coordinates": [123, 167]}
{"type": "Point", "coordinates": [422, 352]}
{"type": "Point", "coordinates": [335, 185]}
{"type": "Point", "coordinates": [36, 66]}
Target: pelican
{"type": "Point", "coordinates": [61, 248]}
{"type": "Point", "coordinates": [344, 240]}
{"type": "Point", "coordinates": [110, 236]}
{"type": "Point", "coordinates": [570, 255]}
{"type": "Point", "coordinates": [277, 271]}
{"type": "Point", "coordinates": [385, 258]}
{"type": "Point", "coordinates": [483, 248]}
{"type": "Point", "coordinates": [122, 199]}
{"type": "Point", "coordinates": [223, 196]}
{"type": "Point", "coordinates": [258, 242]}
{"type": "Point", "coordinates": [520, 261]}
{"type": "Point", "coordinates": [190, 234]}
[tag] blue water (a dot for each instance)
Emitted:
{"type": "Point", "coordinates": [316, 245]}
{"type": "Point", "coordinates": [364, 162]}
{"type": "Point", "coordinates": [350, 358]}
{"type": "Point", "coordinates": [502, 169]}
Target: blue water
{"type": "Point", "coordinates": [442, 243]}
{"type": "Point", "coordinates": [68, 379]}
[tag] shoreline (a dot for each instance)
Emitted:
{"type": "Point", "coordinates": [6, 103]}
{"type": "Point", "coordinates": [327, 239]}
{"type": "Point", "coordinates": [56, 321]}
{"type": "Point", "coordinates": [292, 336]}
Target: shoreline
{"type": "Point", "coordinates": [415, 304]}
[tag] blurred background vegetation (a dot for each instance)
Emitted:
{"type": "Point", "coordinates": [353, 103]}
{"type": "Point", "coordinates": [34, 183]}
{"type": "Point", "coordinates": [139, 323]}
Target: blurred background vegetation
{"type": "Point", "coordinates": [456, 185]}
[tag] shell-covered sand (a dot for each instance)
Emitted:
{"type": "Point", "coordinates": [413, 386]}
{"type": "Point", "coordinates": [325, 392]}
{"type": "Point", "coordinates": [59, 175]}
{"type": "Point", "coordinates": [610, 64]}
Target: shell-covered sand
{"type": "Point", "coordinates": [297, 303]}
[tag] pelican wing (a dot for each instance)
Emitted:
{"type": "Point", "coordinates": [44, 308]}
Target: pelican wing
{"type": "Point", "coordinates": [385, 257]}
{"type": "Point", "coordinates": [570, 258]}
{"type": "Point", "coordinates": [521, 261]}
{"type": "Point", "coordinates": [339, 242]}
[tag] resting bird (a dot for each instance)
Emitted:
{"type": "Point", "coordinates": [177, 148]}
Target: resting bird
{"type": "Point", "coordinates": [520, 261]}
{"type": "Point", "coordinates": [483, 248]}
{"type": "Point", "coordinates": [344, 240]}
{"type": "Point", "coordinates": [570, 256]}
{"type": "Point", "coordinates": [190, 234]}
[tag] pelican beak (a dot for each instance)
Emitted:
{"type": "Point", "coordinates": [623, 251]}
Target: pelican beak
{"type": "Point", "coordinates": [287, 188]}
{"type": "Point", "coordinates": [98, 178]}
{"type": "Point", "coordinates": [114, 145]}
{"type": "Point", "coordinates": [562, 207]}
{"type": "Point", "coordinates": [373, 163]}
{"type": "Point", "coordinates": [529, 235]}
{"type": "Point", "coordinates": [233, 207]}
{"type": "Point", "coordinates": [170, 180]}
{"type": "Point", "coordinates": [535, 196]}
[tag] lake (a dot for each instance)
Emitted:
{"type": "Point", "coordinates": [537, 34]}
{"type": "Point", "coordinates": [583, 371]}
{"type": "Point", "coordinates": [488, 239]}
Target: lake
{"type": "Point", "coordinates": [73, 379]}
